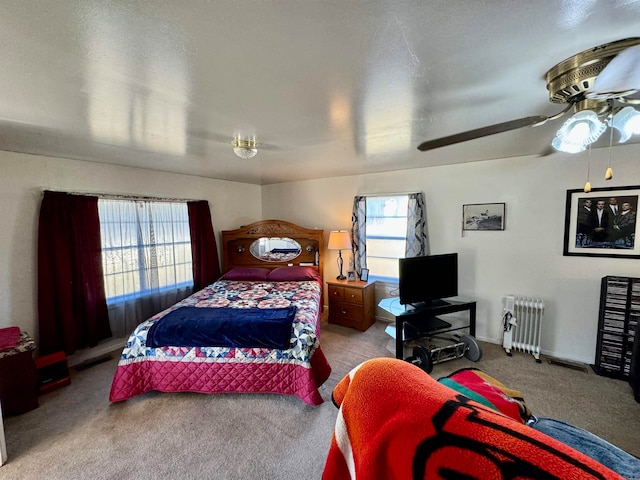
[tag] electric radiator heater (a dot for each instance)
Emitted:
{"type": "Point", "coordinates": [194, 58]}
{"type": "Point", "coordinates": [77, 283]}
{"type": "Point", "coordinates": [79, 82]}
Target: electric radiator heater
{"type": "Point", "coordinates": [522, 323]}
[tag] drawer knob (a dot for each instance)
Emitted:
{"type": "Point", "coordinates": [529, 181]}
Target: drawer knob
{"type": "Point", "coordinates": [353, 296]}
{"type": "Point", "coordinates": [344, 310]}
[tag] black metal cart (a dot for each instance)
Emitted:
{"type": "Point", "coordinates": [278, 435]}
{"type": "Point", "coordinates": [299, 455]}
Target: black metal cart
{"type": "Point", "coordinates": [431, 338]}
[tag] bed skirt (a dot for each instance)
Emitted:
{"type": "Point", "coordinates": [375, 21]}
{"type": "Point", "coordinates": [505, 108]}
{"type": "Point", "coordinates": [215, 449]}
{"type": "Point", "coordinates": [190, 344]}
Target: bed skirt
{"type": "Point", "coordinates": [186, 375]}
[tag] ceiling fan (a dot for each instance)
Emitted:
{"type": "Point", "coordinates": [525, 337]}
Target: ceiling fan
{"type": "Point", "coordinates": [592, 80]}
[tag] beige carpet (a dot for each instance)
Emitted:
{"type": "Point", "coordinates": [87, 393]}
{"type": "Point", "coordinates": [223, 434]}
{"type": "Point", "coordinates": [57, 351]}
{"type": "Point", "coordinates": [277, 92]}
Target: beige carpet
{"type": "Point", "coordinates": [77, 434]}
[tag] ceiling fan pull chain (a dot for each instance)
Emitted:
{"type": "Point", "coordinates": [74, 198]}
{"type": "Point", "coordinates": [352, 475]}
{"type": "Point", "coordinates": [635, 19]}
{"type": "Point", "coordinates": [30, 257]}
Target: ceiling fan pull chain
{"type": "Point", "coordinates": [587, 186]}
{"type": "Point", "coordinates": [608, 175]}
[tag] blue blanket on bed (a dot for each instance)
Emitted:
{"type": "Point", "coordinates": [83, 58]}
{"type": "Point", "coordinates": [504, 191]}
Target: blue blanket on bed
{"type": "Point", "coordinates": [223, 327]}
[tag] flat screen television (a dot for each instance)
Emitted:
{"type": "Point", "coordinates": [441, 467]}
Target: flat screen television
{"type": "Point", "coordinates": [428, 279]}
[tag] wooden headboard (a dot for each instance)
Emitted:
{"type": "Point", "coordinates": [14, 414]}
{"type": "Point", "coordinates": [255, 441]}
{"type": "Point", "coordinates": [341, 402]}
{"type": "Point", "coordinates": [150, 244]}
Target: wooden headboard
{"type": "Point", "coordinates": [236, 245]}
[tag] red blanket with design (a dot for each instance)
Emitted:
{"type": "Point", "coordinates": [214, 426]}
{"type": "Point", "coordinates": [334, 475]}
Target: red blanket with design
{"type": "Point", "coordinates": [396, 422]}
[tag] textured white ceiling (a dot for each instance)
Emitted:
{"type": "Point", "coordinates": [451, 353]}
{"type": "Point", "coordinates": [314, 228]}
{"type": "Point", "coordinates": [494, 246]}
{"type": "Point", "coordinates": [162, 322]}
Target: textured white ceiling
{"type": "Point", "coordinates": [328, 87]}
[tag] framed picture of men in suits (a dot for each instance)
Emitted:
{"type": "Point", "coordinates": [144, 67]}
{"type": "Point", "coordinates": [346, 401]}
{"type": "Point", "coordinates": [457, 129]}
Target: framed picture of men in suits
{"type": "Point", "coordinates": [603, 222]}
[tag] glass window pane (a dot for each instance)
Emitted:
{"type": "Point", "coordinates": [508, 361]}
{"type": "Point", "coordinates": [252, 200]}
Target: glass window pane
{"type": "Point", "coordinates": [385, 248]}
{"type": "Point", "coordinates": [387, 227]}
{"type": "Point", "coordinates": [391, 206]}
{"type": "Point", "coordinates": [386, 233]}
{"type": "Point", "coordinates": [383, 267]}
{"type": "Point", "coordinates": [144, 245]}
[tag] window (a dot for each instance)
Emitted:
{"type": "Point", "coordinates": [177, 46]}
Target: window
{"type": "Point", "coordinates": [386, 233]}
{"type": "Point", "coordinates": [146, 247]}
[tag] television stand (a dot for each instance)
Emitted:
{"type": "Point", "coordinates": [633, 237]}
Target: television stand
{"type": "Point", "coordinates": [424, 316]}
{"type": "Point", "coordinates": [420, 305]}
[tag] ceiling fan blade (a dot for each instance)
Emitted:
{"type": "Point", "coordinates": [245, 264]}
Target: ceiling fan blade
{"type": "Point", "coordinates": [620, 77]}
{"type": "Point", "coordinates": [481, 132]}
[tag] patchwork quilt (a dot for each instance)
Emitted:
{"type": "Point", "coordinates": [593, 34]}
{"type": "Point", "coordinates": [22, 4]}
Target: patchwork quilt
{"type": "Point", "coordinates": [298, 370]}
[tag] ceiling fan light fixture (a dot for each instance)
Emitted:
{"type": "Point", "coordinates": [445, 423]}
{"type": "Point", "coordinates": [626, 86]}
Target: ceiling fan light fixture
{"type": "Point", "coordinates": [567, 147]}
{"type": "Point", "coordinates": [627, 122]}
{"type": "Point", "coordinates": [245, 148]}
{"type": "Point", "coordinates": [580, 130]}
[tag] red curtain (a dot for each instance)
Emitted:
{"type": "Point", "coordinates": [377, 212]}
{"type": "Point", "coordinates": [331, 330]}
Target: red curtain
{"type": "Point", "coordinates": [206, 266]}
{"type": "Point", "coordinates": [72, 309]}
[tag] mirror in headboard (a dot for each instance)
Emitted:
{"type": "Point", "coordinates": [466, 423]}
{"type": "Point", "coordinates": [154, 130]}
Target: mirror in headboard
{"type": "Point", "coordinates": [275, 249]}
{"type": "Point", "coordinates": [271, 244]}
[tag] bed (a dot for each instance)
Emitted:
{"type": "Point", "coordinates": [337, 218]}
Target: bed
{"type": "Point", "coordinates": [228, 359]}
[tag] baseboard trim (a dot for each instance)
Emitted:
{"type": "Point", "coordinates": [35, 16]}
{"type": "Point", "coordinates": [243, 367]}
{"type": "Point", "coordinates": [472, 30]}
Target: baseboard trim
{"type": "Point", "coordinates": [91, 355]}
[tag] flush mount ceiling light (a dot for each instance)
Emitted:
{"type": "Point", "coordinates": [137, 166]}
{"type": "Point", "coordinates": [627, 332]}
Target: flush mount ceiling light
{"type": "Point", "coordinates": [600, 80]}
{"type": "Point", "coordinates": [245, 148]}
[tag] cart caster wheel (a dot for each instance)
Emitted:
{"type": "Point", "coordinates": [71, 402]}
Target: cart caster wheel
{"type": "Point", "coordinates": [421, 358]}
{"type": "Point", "coordinates": [473, 351]}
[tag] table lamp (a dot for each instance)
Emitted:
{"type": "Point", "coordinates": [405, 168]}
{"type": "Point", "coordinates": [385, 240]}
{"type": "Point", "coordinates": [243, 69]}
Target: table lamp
{"type": "Point", "coordinates": [339, 240]}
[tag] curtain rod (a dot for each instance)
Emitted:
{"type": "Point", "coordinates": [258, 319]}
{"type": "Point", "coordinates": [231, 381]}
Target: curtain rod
{"type": "Point", "coordinates": [386, 194]}
{"type": "Point", "coordinates": [119, 196]}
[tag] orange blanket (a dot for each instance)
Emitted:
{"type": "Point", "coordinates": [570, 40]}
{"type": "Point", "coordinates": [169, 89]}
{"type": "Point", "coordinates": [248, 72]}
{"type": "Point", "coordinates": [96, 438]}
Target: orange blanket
{"type": "Point", "coordinates": [396, 422]}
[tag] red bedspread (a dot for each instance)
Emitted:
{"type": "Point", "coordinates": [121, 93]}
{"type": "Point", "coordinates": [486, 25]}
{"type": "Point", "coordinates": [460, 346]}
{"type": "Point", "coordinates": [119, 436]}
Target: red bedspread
{"type": "Point", "coordinates": [298, 370]}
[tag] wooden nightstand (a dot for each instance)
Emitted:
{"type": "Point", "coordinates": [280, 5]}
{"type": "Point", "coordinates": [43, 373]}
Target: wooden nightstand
{"type": "Point", "coordinates": [352, 304]}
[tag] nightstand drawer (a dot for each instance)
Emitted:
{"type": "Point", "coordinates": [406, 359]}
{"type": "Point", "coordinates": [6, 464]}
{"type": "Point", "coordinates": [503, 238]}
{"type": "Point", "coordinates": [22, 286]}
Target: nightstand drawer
{"type": "Point", "coordinates": [336, 293]}
{"type": "Point", "coordinates": [347, 311]}
{"type": "Point", "coordinates": [353, 295]}
{"type": "Point", "coordinates": [346, 294]}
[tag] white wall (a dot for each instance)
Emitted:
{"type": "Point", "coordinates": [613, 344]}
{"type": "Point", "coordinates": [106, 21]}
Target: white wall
{"type": "Point", "coordinates": [525, 259]}
{"type": "Point", "coordinates": [24, 177]}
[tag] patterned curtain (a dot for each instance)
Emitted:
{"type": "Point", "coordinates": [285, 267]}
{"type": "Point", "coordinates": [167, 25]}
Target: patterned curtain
{"type": "Point", "coordinates": [417, 242]}
{"type": "Point", "coordinates": [359, 233]}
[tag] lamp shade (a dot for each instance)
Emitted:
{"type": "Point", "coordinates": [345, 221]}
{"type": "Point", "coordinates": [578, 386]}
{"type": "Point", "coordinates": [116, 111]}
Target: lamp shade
{"type": "Point", "coordinates": [580, 130]}
{"type": "Point", "coordinates": [627, 122]}
{"type": "Point", "coordinates": [339, 240]}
